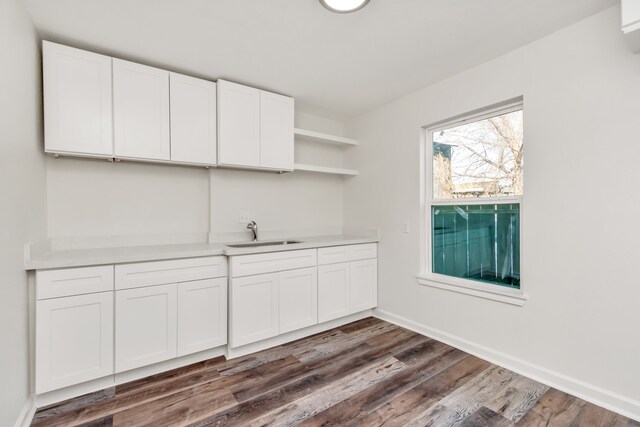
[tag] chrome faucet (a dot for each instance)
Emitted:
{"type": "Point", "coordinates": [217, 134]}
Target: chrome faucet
{"type": "Point", "coordinates": [253, 227]}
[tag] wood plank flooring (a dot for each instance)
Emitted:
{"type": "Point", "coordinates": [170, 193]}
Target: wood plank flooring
{"type": "Point", "coordinates": [367, 373]}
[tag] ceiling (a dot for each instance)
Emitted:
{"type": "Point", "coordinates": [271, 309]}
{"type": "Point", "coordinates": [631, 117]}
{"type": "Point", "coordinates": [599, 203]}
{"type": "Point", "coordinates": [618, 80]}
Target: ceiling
{"type": "Point", "coordinates": [337, 65]}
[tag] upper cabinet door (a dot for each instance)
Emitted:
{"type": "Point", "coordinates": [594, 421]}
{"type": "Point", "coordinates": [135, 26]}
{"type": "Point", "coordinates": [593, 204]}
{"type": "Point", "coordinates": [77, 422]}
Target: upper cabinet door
{"type": "Point", "coordinates": [193, 120]}
{"type": "Point", "coordinates": [276, 131]}
{"type": "Point", "coordinates": [77, 101]}
{"type": "Point", "coordinates": [141, 106]}
{"type": "Point", "coordinates": [238, 125]}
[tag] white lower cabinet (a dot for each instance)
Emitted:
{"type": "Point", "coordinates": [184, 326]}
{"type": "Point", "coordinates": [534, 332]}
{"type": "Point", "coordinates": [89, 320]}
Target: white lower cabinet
{"type": "Point", "coordinates": [97, 321]}
{"type": "Point", "coordinates": [92, 322]}
{"type": "Point", "coordinates": [74, 340]}
{"type": "Point", "coordinates": [363, 285]}
{"type": "Point", "coordinates": [266, 305]}
{"type": "Point", "coordinates": [333, 291]}
{"type": "Point", "coordinates": [297, 299]}
{"type": "Point", "coordinates": [146, 326]}
{"type": "Point", "coordinates": [279, 292]}
{"type": "Point", "coordinates": [254, 310]}
{"type": "Point", "coordinates": [348, 280]}
{"type": "Point", "coordinates": [202, 315]}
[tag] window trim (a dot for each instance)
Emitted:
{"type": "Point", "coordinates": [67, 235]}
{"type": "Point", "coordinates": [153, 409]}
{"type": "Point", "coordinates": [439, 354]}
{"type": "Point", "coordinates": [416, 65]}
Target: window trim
{"type": "Point", "coordinates": [427, 277]}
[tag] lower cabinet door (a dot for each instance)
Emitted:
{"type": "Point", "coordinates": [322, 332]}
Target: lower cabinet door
{"type": "Point", "coordinates": [74, 340]}
{"type": "Point", "coordinates": [333, 291]}
{"type": "Point", "coordinates": [363, 286]}
{"type": "Point", "coordinates": [202, 315]}
{"type": "Point", "coordinates": [254, 308]}
{"type": "Point", "coordinates": [297, 299]}
{"type": "Point", "coordinates": [146, 324]}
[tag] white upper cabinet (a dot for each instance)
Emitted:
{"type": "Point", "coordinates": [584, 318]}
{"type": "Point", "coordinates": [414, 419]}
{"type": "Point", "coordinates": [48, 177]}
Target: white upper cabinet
{"type": "Point", "coordinates": [98, 106]}
{"type": "Point", "coordinates": [193, 120]}
{"type": "Point", "coordinates": [141, 107]}
{"type": "Point", "coordinates": [238, 125]}
{"type": "Point", "coordinates": [255, 128]}
{"type": "Point", "coordinates": [77, 101]}
{"type": "Point", "coordinates": [276, 131]}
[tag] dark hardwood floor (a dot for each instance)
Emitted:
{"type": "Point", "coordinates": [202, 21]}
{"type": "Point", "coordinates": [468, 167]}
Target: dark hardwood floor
{"type": "Point", "coordinates": [367, 373]}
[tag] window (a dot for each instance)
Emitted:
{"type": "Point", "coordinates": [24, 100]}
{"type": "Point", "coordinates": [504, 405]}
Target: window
{"type": "Point", "coordinates": [474, 189]}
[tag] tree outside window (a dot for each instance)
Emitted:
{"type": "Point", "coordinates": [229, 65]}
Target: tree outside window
{"type": "Point", "coordinates": [479, 159]}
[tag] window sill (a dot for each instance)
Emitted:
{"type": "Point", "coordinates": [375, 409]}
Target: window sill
{"type": "Point", "coordinates": [507, 296]}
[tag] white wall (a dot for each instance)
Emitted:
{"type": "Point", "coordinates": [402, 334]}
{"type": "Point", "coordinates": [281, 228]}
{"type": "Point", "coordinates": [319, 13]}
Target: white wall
{"type": "Point", "coordinates": [22, 190]}
{"type": "Point", "coordinates": [95, 198]}
{"type": "Point", "coordinates": [290, 201]}
{"type": "Point", "coordinates": [580, 328]}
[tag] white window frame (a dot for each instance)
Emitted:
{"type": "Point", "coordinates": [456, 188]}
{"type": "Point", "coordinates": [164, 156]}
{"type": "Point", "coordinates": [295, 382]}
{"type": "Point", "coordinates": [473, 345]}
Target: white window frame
{"type": "Point", "coordinates": [427, 277]}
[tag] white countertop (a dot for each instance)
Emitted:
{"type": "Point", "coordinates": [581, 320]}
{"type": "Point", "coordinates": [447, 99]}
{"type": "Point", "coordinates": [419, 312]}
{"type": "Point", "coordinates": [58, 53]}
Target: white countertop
{"type": "Point", "coordinates": [118, 255]}
{"type": "Point", "coordinates": [128, 254]}
{"type": "Point", "coordinates": [305, 243]}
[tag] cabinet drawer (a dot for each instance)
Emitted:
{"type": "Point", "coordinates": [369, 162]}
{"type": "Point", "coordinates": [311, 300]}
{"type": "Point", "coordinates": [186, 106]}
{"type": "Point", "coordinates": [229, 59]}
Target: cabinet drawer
{"type": "Point", "coordinates": [247, 265]}
{"type": "Point", "coordinates": [337, 254]}
{"type": "Point", "coordinates": [333, 255]}
{"type": "Point", "coordinates": [128, 276]}
{"type": "Point", "coordinates": [366, 251]}
{"type": "Point", "coordinates": [73, 281]}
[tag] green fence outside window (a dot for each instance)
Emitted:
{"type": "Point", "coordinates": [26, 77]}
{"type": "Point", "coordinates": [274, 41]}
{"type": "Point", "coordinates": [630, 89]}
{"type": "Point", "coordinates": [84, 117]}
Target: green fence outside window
{"type": "Point", "coordinates": [477, 242]}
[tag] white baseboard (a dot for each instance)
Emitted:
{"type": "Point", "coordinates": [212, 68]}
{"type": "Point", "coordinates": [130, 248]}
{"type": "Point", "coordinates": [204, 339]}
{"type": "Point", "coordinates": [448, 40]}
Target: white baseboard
{"type": "Point", "coordinates": [55, 396]}
{"type": "Point", "coordinates": [607, 399]}
{"type": "Point", "coordinates": [233, 353]}
{"type": "Point", "coordinates": [27, 413]}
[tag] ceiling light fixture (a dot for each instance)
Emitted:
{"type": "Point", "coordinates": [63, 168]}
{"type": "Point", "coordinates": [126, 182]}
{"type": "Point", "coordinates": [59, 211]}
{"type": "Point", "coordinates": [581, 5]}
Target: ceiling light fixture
{"type": "Point", "coordinates": [344, 6]}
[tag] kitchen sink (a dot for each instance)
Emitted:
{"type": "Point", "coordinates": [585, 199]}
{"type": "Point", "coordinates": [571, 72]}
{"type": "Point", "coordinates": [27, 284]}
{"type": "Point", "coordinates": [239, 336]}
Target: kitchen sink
{"type": "Point", "coordinates": [267, 243]}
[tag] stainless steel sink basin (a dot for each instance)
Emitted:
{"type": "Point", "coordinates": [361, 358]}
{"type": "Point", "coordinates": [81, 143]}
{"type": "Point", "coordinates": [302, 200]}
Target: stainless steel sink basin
{"type": "Point", "coordinates": [267, 243]}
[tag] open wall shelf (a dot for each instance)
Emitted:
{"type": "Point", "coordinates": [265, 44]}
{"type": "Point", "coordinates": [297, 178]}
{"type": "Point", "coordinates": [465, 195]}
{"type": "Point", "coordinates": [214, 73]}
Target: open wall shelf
{"type": "Point", "coordinates": [323, 138]}
{"type": "Point", "coordinates": [309, 135]}
{"type": "Point", "coordinates": [325, 169]}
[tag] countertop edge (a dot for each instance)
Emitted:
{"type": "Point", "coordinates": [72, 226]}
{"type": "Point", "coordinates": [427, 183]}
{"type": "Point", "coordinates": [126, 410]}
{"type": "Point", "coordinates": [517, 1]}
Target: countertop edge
{"type": "Point", "coordinates": [297, 246]}
{"type": "Point", "coordinates": [118, 259]}
{"type": "Point", "coordinates": [75, 257]}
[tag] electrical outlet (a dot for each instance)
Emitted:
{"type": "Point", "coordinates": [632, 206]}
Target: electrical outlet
{"type": "Point", "coordinates": [405, 227]}
{"type": "Point", "coordinates": [245, 217]}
